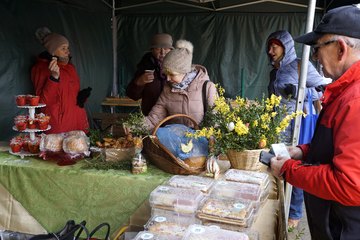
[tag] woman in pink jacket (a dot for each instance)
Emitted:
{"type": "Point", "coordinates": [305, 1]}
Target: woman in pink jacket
{"type": "Point", "coordinates": [57, 83]}
{"type": "Point", "coordinates": [183, 92]}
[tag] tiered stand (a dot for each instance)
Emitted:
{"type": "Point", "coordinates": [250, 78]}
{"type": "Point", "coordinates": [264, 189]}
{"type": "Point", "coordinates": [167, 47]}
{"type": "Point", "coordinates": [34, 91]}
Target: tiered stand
{"type": "Point", "coordinates": [31, 132]}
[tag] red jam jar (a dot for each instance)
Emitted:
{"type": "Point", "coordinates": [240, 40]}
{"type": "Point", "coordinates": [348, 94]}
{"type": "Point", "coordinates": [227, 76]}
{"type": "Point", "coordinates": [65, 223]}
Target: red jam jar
{"type": "Point", "coordinates": [21, 124]}
{"type": "Point", "coordinates": [43, 123]}
{"type": "Point", "coordinates": [34, 100]}
{"type": "Point", "coordinates": [25, 145]}
{"type": "Point", "coordinates": [34, 146]}
{"type": "Point", "coordinates": [15, 145]}
{"type": "Point", "coordinates": [21, 100]}
{"type": "Point", "coordinates": [31, 123]}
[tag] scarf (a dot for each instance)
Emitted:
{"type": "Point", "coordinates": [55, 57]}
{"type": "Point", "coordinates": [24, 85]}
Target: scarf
{"type": "Point", "coordinates": [189, 77]}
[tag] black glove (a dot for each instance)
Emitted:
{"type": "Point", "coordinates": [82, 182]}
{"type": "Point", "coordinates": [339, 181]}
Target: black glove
{"type": "Point", "coordinates": [290, 90]}
{"type": "Point", "coordinates": [320, 88]}
{"type": "Point", "coordinates": [83, 96]}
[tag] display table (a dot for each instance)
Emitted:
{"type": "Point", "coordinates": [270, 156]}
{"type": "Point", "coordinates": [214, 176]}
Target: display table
{"type": "Point", "coordinates": [121, 102]}
{"type": "Point", "coordinates": [53, 194]}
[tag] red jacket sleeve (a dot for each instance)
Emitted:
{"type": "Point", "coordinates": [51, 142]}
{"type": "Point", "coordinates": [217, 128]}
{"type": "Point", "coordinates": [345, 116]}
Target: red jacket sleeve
{"type": "Point", "coordinates": [339, 181]}
{"type": "Point", "coordinates": [43, 85]}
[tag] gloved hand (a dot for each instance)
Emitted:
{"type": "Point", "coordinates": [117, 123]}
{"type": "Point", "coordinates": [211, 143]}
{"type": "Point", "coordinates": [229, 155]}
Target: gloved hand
{"type": "Point", "coordinates": [83, 96]}
{"type": "Point", "coordinates": [321, 88]}
{"type": "Point", "coordinates": [290, 90]}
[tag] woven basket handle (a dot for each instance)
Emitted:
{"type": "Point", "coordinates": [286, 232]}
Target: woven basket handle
{"type": "Point", "coordinates": [171, 117]}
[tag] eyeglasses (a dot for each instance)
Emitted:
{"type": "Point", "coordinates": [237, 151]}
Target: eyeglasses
{"type": "Point", "coordinates": [316, 47]}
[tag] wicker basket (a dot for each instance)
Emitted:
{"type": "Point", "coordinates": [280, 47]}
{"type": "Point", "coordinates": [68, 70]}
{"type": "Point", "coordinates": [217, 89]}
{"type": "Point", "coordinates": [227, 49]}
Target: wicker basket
{"type": "Point", "coordinates": [161, 157]}
{"type": "Point", "coordinates": [246, 160]}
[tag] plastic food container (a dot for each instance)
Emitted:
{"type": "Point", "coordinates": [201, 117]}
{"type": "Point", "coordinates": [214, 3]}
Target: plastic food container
{"type": "Point", "coordinates": [180, 200]}
{"type": "Point", "coordinates": [231, 211]}
{"type": "Point", "coordinates": [244, 176]}
{"type": "Point", "coordinates": [145, 235]}
{"type": "Point", "coordinates": [175, 216]}
{"type": "Point", "coordinates": [192, 182]}
{"type": "Point", "coordinates": [246, 191]}
{"type": "Point", "coordinates": [197, 232]}
{"type": "Point", "coordinates": [252, 234]}
{"type": "Point", "coordinates": [168, 228]}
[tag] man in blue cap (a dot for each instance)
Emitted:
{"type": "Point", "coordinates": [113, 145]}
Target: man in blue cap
{"type": "Point", "coordinates": [328, 169]}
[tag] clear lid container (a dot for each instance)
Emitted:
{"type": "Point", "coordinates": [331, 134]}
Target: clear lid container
{"type": "Point", "coordinates": [183, 218]}
{"type": "Point", "coordinates": [198, 232]}
{"type": "Point", "coordinates": [252, 234]}
{"type": "Point", "coordinates": [193, 182]}
{"type": "Point", "coordinates": [162, 226]}
{"type": "Point", "coordinates": [246, 191]}
{"type": "Point", "coordinates": [145, 235]}
{"type": "Point", "coordinates": [232, 211]}
{"type": "Point", "coordinates": [245, 176]}
{"type": "Point", "coordinates": [180, 200]}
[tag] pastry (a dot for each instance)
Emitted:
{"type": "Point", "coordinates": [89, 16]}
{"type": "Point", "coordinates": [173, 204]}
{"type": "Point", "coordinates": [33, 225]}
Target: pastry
{"type": "Point", "coordinates": [161, 226]}
{"type": "Point", "coordinates": [233, 209]}
{"type": "Point", "coordinates": [74, 144]}
{"type": "Point", "coordinates": [51, 142]}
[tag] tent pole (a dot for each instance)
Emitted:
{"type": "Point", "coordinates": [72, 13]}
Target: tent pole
{"type": "Point", "coordinates": [301, 94]}
{"type": "Point", "coordinates": [114, 91]}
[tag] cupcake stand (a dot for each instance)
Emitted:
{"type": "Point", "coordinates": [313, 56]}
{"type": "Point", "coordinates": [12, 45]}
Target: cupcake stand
{"type": "Point", "coordinates": [31, 132]}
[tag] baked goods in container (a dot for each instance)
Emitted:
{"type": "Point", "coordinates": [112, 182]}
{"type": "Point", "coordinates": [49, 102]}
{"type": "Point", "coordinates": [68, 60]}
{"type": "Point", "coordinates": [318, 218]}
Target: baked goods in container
{"type": "Point", "coordinates": [230, 211]}
{"type": "Point", "coordinates": [76, 144]}
{"type": "Point", "coordinates": [198, 232]}
{"type": "Point", "coordinates": [163, 227]}
{"type": "Point", "coordinates": [245, 176]}
{"type": "Point", "coordinates": [192, 182]}
{"type": "Point", "coordinates": [145, 235]}
{"type": "Point", "coordinates": [51, 142]}
{"type": "Point", "coordinates": [246, 191]}
{"type": "Point", "coordinates": [180, 200]}
{"type": "Point", "coordinates": [76, 133]}
{"type": "Point", "coordinates": [183, 218]}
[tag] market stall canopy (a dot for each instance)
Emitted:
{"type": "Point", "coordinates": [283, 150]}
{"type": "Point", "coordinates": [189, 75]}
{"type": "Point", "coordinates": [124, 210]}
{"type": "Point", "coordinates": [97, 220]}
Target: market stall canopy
{"type": "Point", "coordinates": [228, 37]}
{"type": "Point", "coordinates": [273, 6]}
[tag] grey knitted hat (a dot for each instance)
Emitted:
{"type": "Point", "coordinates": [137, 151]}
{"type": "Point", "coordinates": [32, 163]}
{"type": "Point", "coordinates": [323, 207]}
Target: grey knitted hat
{"type": "Point", "coordinates": [179, 60]}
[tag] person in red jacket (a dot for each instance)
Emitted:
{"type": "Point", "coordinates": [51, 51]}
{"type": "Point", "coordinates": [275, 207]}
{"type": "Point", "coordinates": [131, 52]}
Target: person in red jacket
{"type": "Point", "coordinates": [57, 83]}
{"type": "Point", "coordinates": [328, 169]}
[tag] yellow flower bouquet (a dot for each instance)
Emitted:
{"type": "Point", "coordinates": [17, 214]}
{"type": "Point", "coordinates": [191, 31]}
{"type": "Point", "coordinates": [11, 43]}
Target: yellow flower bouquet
{"type": "Point", "coordinates": [243, 124]}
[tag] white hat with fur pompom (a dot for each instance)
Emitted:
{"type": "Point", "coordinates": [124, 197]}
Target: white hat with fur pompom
{"type": "Point", "coordinates": [179, 60]}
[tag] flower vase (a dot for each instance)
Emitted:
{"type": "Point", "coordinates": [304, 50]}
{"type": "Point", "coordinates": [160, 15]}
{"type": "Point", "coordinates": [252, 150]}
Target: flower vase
{"type": "Point", "coordinates": [245, 160]}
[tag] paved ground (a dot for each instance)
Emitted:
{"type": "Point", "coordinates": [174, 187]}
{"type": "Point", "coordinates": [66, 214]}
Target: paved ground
{"type": "Point", "coordinates": [302, 231]}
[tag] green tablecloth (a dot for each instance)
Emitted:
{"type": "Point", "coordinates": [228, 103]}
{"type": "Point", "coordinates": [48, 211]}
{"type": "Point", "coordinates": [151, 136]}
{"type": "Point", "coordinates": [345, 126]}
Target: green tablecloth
{"type": "Point", "coordinates": [53, 194]}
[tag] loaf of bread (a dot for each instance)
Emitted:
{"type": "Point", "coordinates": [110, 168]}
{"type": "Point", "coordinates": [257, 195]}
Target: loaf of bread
{"type": "Point", "coordinates": [76, 144]}
{"type": "Point", "coordinates": [51, 142]}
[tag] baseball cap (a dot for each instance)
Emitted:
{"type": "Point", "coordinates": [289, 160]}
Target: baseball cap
{"type": "Point", "coordinates": [342, 21]}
